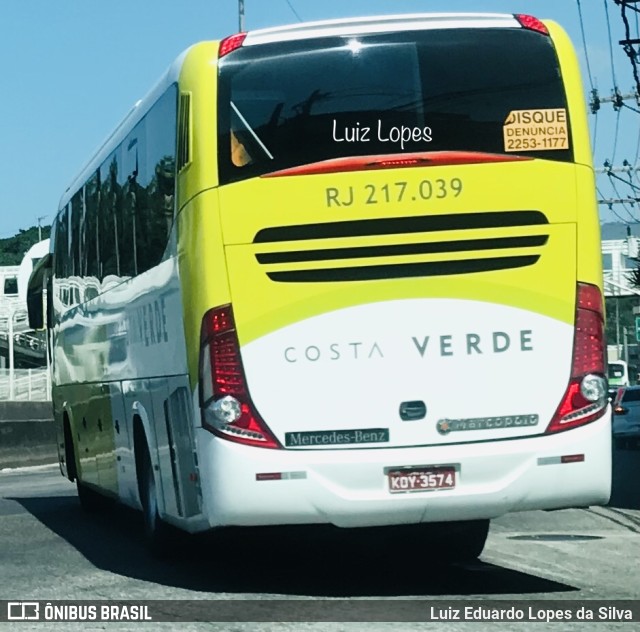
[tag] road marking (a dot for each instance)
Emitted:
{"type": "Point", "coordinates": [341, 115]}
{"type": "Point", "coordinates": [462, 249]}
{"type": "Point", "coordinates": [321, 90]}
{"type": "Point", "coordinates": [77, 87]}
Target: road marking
{"type": "Point", "coordinates": [31, 468]}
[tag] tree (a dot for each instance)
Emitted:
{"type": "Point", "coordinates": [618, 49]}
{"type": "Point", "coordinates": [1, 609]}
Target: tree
{"type": "Point", "coordinates": [13, 249]}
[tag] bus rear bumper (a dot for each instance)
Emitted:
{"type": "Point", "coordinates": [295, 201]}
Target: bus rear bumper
{"type": "Point", "coordinates": [349, 488]}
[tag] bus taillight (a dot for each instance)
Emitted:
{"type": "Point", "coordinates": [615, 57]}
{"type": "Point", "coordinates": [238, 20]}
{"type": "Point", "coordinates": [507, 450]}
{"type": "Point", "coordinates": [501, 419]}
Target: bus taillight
{"type": "Point", "coordinates": [531, 23]}
{"type": "Point", "coordinates": [229, 44]}
{"type": "Point", "coordinates": [227, 409]}
{"type": "Point", "coordinates": [585, 399]}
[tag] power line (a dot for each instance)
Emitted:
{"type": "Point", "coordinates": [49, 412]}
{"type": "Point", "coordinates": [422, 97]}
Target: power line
{"type": "Point", "coordinates": [608, 169]}
{"type": "Point", "coordinates": [613, 69]}
{"type": "Point", "coordinates": [611, 174]}
{"type": "Point", "coordinates": [294, 11]}
{"type": "Point", "coordinates": [610, 203]}
{"type": "Point", "coordinates": [584, 44]}
{"type": "Point", "coordinates": [627, 43]}
{"type": "Point", "coordinates": [617, 98]}
{"type": "Point", "coordinates": [626, 168]}
{"type": "Point", "coordinates": [615, 137]}
{"type": "Point", "coordinates": [624, 202]}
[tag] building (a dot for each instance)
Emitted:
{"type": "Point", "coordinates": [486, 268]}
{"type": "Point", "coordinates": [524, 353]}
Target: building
{"type": "Point", "coordinates": [23, 357]}
{"type": "Point", "coordinates": [620, 248]}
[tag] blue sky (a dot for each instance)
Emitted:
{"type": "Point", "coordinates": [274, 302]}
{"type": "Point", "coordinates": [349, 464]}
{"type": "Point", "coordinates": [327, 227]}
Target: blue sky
{"type": "Point", "coordinates": [73, 68]}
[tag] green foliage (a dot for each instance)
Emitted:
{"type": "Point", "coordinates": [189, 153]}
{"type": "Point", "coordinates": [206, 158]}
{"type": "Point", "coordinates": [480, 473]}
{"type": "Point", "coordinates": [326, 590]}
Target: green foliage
{"type": "Point", "coordinates": [13, 249]}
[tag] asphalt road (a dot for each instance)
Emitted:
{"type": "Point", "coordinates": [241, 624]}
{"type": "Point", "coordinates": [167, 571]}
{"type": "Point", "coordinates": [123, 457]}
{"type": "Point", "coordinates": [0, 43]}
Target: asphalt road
{"type": "Point", "coordinates": [51, 550]}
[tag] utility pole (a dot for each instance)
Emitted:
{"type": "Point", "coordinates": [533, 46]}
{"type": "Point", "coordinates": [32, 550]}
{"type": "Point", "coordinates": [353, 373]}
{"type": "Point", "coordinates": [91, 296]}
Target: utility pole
{"type": "Point", "coordinates": [240, 16]}
{"type": "Point", "coordinates": [11, 358]}
{"type": "Point", "coordinates": [40, 227]}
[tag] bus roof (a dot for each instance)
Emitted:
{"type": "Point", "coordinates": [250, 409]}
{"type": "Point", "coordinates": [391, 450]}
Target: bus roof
{"type": "Point", "coordinates": [380, 24]}
{"type": "Point", "coordinates": [304, 30]}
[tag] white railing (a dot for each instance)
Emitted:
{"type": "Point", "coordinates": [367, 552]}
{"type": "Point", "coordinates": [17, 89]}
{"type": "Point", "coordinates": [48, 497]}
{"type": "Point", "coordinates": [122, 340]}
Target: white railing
{"type": "Point", "coordinates": [26, 340]}
{"type": "Point", "coordinates": [20, 319]}
{"type": "Point", "coordinates": [25, 385]}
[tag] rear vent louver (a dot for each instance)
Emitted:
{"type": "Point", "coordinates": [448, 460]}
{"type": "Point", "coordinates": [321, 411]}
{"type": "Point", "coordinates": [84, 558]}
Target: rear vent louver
{"type": "Point", "coordinates": [353, 268]}
{"type": "Point", "coordinates": [184, 131]}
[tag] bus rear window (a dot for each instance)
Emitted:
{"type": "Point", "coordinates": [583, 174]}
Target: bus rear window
{"type": "Point", "coordinates": [615, 371]}
{"type": "Point", "coordinates": [288, 104]}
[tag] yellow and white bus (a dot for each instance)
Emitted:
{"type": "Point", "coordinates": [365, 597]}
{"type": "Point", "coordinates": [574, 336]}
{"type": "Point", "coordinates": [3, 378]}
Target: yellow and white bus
{"type": "Point", "coordinates": [342, 272]}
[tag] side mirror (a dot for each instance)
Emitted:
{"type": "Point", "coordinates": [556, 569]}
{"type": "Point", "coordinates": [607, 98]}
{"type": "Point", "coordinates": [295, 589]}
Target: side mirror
{"type": "Point", "coordinates": [35, 292]}
{"type": "Point", "coordinates": [35, 310]}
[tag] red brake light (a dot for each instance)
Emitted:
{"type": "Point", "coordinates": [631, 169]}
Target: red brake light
{"type": "Point", "coordinates": [531, 23]}
{"type": "Point", "coordinates": [589, 297]}
{"type": "Point", "coordinates": [222, 374]}
{"type": "Point", "coordinates": [229, 44]}
{"type": "Point", "coordinates": [588, 361]}
{"type": "Point", "coordinates": [396, 161]}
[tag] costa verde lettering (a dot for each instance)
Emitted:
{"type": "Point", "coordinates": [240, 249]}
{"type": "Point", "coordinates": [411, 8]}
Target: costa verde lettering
{"type": "Point", "coordinates": [147, 324]}
{"type": "Point", "coordinates": [426, 346]}
{"type": "Point", "coordinates": [334, 351]}
{"type": "Point", "coordinates": [498, 342]}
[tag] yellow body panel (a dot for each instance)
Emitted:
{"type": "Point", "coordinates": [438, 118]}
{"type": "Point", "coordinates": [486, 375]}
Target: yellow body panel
{"type": "Point", "coordinates": [217, 226]}
{"type": "Point", "coordinates": [200, 250]}
{"type": "Point", "coordinates": [577, 105]}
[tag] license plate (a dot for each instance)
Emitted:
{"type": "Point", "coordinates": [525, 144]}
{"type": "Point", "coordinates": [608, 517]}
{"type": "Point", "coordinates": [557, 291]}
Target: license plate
{"type": "Point", "coordinates": [421, 479]}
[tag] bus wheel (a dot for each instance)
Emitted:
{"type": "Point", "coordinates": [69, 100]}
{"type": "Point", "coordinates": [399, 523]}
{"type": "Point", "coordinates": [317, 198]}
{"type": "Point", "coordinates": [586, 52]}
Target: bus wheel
{"type": "Point", "coordinates": [90, 501]}
{"type": "Point", "coordinates": [462, 541]}
{"type": "Point", "coordinates": [155, 529]}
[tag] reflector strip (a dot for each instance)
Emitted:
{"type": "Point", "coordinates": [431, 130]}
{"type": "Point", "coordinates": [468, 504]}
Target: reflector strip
{"type": "Point", "coordinates": [280, 476]}
{"type": "Point", "coordinates": [573, 458]}
{"type": "Point", "coordinates": [560, 460]}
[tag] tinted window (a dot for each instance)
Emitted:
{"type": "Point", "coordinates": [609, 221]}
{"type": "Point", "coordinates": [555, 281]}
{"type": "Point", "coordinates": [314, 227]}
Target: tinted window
{"type": "Point", "coordinates": [10, 286]}
{"type": "Point", "coordinates": [631, 395]}
{"type": "Point", "coordinates": [107, 222]}
{"type": "Point", "coordinates": [293, 103]}
{"type": "Point", "coordinates": [616, 370]}
{"type": "Point", "coordinates": [92, 201]}
{"type": "Point", "coordinates": [156, 210]}
{"type": "Point", "coordinates": [62, 244]}
{"type": "Point", "coordinates": [77, 233]}
{"type": "Point", "coordinates": [125, 204]}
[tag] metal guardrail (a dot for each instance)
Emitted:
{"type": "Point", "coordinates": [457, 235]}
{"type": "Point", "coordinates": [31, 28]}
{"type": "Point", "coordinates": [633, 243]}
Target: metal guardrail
{"type": "Point", "coordinates": [25, 340]}
{"type": "Point", "coordinates": [32, 385]}
{"type": "Point", "coordinates": [20, 319]}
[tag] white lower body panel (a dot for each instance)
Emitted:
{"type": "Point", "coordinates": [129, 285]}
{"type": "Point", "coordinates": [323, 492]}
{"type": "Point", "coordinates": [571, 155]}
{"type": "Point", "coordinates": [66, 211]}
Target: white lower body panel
{"type": "Point", "coordinates": [349, 488]}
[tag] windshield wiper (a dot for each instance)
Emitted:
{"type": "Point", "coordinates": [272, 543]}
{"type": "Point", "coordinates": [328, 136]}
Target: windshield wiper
{"type": "Point", "coordinates": [250, 130]}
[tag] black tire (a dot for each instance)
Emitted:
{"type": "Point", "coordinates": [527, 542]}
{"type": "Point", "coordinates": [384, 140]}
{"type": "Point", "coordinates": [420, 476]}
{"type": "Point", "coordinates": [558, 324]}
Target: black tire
{"type": "Point", "coordinates": [471, 538]}
{"type": "Point", "coordinates": [90, 500]}
{"type": "Point", "coordinates": [458, 541]}
{"type": "Point", "coordinates": [155, 529]}
{"type": "Point", "coordinates": [69, 452]}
